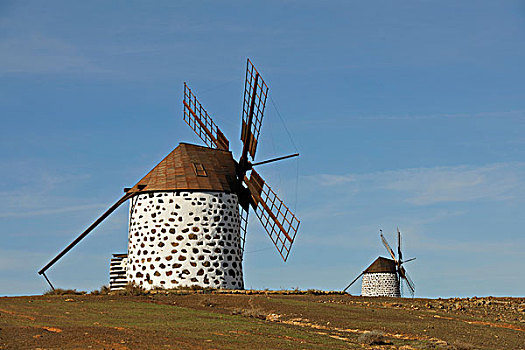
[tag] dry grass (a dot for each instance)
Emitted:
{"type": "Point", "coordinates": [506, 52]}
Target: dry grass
{"type": "Point", "coordinates": [373, 338]}
{"type": "Point", "coordinates": [104, 290]}
{"type": "Point", "coordinates": [132, 289]}
{"type": "Point", "coordinates": [183, 319]}
{"type": "Point", "coordinates": [208, 302]}
{"type": "Point", "coordinates": [250, 311]}
{"type": "Point", "coordinates": [135, 290]}
{"type": "Point", "coordinates": [443, 345]}
{"type": "Point", "coordinates": [464, 346]}
{"type": "Point", "coordinates": [60, 291]}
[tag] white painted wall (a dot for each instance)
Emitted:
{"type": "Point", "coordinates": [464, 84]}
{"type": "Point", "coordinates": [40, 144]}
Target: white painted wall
{"type": "Point", "coordinates": [380, 284]}
{"type": "Point", "coordinates": [184, 239]}
{"type": "Point", "coordinates": [117, 273]}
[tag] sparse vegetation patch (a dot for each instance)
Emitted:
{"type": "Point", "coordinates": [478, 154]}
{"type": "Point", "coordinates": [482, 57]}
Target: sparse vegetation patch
{"type": "Point", "coordinates": [217, 319]}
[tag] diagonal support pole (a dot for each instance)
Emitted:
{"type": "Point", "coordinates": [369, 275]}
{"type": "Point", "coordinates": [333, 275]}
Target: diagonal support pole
{"type": "Point", "coordinates": [86, 232]}
{"type": "Point", "coordinates": [344, 290]}
{"type": "Point", "coordinates": [48, 281]}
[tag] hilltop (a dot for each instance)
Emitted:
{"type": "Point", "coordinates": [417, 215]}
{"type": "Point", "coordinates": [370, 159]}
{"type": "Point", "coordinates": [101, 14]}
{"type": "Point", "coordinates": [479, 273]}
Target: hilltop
{"type": "Point", "coordinates": [249, 319]}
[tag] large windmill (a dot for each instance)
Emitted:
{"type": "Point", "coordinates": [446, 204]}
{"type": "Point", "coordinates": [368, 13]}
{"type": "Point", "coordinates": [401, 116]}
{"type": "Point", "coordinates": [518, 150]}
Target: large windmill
{"type": "Point", "coordinates": [384, 276]}
{"type": "Point", "coordinates": [188, 216]}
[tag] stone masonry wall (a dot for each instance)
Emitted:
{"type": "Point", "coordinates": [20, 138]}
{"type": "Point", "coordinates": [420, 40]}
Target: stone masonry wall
{"type": "Point", "coordinates": [183, 239]}
{"type": "Point", "coordinates": [380, 284]}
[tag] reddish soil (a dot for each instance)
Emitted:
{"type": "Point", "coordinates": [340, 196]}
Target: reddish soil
{"type": "Point", "coordinates": [238, 321]}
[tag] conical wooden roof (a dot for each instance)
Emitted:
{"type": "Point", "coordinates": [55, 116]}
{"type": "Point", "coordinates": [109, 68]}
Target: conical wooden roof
{"type": "Point", "coordinates": [382, 265]}
{"type": "Point", "coordinates": [191, 167]}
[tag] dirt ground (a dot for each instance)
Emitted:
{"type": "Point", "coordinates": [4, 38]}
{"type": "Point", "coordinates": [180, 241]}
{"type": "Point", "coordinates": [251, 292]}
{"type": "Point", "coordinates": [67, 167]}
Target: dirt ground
{"type": "Point", "coordinates": [265, 320]}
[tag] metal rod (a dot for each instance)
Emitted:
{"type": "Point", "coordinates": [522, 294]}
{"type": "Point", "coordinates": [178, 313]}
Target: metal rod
{"type": "Point", "coordinates": [87, 231]}
{"type": "Point", "coordinates": [344, 290]}
{"type": "Point", "coordinates": [48, 281]}
{"type": "Point", "coordinates": [275, 159]}
{"type": "Point", "coordinates": [409, 260]}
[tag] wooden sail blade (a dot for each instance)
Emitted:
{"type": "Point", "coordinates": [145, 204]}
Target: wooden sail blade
{"type": "Point", "coordinates": [278, 221]}
{"type": "Point", "coordinates": [86, 232]}
{"type": "Point", "coordinates": [409, 282]}
{"type": "Point", "coordinates": [201, 123]}
{"type": "Point", "coordinates": [243, 214]}
{"type": "Point", "coordinates": [399, 254]}
{"type": "Point", "coordinates": [401, 270]}
{"type": "Point", "coordinates": [387, 246]}
{"type": "Point", "coordinates": [255, 94]}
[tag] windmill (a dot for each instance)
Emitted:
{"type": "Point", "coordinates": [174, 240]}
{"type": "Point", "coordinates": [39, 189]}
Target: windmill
{"type": "Point", "coordinates": [188, 216]}
{"type": "Point", "coordinates": [384, 277]}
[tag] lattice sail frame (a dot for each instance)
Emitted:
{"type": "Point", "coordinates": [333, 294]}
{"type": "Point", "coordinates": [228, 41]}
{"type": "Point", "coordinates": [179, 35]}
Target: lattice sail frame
{"type": "Point", "coordinates": [243, 215]}
{"type": "Point", "coordinates": [277, 219]}
{"type": "Point", "coordinates": [409, 282]}
{"type": "Point", "coordinates": [253, 84]}
{"type": "Point", "coordinates": [403, 275]}
{"type": "Point", "coordinates": [201, 123]}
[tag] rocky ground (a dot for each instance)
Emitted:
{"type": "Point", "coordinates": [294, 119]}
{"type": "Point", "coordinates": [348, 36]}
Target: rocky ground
{"type": "Point", "coordinates": [264, 319]}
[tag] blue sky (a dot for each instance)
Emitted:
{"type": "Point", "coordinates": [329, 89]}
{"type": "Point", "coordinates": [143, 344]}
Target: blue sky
{"type": "Point", "coordinates": [406, 114]}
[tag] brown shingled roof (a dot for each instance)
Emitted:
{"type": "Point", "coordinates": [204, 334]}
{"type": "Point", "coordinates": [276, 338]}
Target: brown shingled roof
{"type": "Point", "coordinates": [191, 167]}
{"type": "Point", "coordinates": [382, 265]}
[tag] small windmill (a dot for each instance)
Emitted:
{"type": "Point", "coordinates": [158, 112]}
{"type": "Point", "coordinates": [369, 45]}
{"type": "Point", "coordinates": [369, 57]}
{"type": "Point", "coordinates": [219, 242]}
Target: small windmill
{"type": "Point", "coordinates": [383, 277]}
{"type": "Point", "coordinates": [188, 216]}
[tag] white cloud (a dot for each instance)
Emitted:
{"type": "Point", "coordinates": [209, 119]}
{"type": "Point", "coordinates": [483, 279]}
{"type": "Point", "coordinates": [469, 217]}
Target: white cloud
{"type": "Point", "coordinates": [51, 211]}
{"type": "Point", "coordinates": [40, 54]}
{"type": "Point", "coordinates": [426, 186]}
{"type": "Point", "coordinates": [350, 209]}
{"type": "Point", "coordinates": [498, 114]}
{"type": "Point", "coordinates": [346, 119]}
{"type": "Point", "coordinates": [20, 260]}
{"type": "Point", "coordinates": [335, 180]}
{"type": "Point", "coordinates": [33, 190]}
{"type": "Point", "coordinates": [459, 184]}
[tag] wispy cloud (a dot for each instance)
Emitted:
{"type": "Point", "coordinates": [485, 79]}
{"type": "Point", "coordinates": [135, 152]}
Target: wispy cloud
{"type": "Point", "coordinates": [34, 190]}
{"type": "Point", "coordinates": [350, 209]}
{"type": "Point", "coordinates": [336, 180]}
{"type": "Point", "coordinates": [426, 186]}
{"type": "Point", "coordinates": [19, 260]}
{"type": "Point", "coordinates": [459, 184]}
{"type": "Point", "coordinates": [498, 114]}
{"type": "Point", "coordinates": [42, 54]}
{"type": "Point", "coordinates": [53, 211]}
{"type": "Point", "coordinates": [341, 120]}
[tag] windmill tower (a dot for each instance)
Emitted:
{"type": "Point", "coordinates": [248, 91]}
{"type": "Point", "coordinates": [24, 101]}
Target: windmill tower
{"type": "Point", "coordinates": [188, 216]}
{"type": "Point", "coordinates": [384, 276]}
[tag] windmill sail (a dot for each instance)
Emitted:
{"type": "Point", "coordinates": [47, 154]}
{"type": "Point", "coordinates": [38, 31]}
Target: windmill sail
{"type": "Point", "coordinates": [399, 253]}
{"type": "Point", "coordinates": [278, 221]}
{"type": "Point", "coordinates": [201, 123]}
{"type": "Point", "coordinates": [387, 246]}
{"type": "Point", "coordinates": [410, 284]}
{"type": "Point", "coordinates": [255, 93]}
{"type": "Point", "coordinates": [401, 272]}
{"type": "Point", "coordinates": [243, 215]}
{"type": "Point", "coordinates": [198, 169]}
